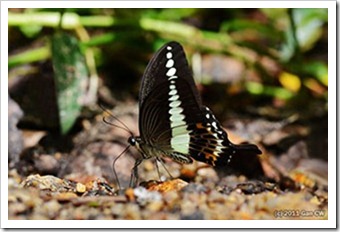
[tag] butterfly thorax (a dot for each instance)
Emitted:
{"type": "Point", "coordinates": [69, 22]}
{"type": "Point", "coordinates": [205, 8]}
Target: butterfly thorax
{"type": "Point", "coordinates": [146, 150]}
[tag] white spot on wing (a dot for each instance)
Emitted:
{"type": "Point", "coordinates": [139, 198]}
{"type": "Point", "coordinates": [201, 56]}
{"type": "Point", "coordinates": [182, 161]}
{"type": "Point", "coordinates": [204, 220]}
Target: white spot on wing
{"type": "Point", "coordinates": [175, 103]}
{"type": "Point", "coordinates": [181, 143]}
{"type": "Point", "coordinates": [180, 135]}
{"type": "Point", "coordinates": [174, 98]}
{"type": "Point", "coordinates": [176, 112]}
{"type": "Point", "coordinates": [173, 77]}
{"type": "Point", "coordinates": [177, 120]}
{"type": "Point", "coordinates": [207, 116]}
{"type": "Point", "coordinates": [219, 146]}
{"type": "Point", "coordinates": [169, 55]}
{"type": "Point", "coordinates": [179, 130]}
{"type": "Point", "coordinates": [214, 125]}
{"type": "Point", "coordinates": [170, 63]}
{"type": "Point", "coordinates": [173, 92]}
{"type": "Point", "coordinates": [171, 72]}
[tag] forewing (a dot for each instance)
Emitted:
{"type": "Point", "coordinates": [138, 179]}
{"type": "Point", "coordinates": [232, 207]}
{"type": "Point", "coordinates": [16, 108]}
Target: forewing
{"type": "Point", "coordinates": [169, 100]}
{"type": "Point", "coordinates": [156, 70]}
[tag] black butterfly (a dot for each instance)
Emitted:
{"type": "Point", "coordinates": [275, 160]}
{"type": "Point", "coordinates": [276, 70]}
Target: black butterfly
{"type": "Point", "coordinates": [174, 123]}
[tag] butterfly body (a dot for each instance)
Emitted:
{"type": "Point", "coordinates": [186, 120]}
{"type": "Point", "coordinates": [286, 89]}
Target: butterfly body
{"type": "Point", "coordinates": [173, 122]}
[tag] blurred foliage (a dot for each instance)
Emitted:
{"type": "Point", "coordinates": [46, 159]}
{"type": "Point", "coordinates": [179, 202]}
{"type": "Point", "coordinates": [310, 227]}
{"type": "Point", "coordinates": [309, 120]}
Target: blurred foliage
{"type": "Point", "coordinates": [119, 42]}
{"type": "Point", "coordinates": [70, 72]}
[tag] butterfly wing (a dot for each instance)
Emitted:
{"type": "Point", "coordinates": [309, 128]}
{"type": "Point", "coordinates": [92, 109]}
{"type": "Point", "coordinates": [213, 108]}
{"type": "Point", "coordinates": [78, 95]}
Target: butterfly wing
{"type": "Point", "coordinates": [169, 101]}
{"type": "Point", "coordinates": [173, 119]}
{"type": "Point", "coordinates": [210, 144]}
{"type": "Point", "coordinates": [171, 55]}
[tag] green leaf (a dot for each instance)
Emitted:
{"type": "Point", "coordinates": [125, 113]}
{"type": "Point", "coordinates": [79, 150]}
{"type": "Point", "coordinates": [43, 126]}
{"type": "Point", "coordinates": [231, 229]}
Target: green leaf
{"type": "Point", "coordinates": [309, 24]}
{"type": "Point", "coordinates": [303, 28]}
{"type": "Point", "coordinates": [31, 30]}
{"type": "Point", "coordinates": [70, 78]}
{"type": "Point", "coordinates": [317, 69]}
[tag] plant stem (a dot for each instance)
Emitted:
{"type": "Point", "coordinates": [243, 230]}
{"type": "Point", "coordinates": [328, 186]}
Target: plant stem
{"type": "Point", "coordinates": [32, 55]}
{"type": "Point", "coordinates": [52, 19]}
{"type": "Point", "coordinates": [218, 42]}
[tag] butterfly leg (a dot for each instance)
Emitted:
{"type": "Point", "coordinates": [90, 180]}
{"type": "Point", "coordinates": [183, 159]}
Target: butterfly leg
{"type": "Point", "coordinates": [134, 173]}
{"type": "Point", "coordinates": [157, 168]}
{"type": "Point", "coordinates": [162, 162]}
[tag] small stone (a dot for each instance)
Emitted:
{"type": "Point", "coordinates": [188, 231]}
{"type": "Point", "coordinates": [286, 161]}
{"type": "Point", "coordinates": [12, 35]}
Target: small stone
{"type": "Point", "coordinates": [315, 200]}
{"type": "Point", "coordinates": [129, 193]}
{"type": "Point", "coordinates": [80, 188]}
{"type": "Point", "coordinates": [176, 185]}
{"type": "Point", "coordinates": [155, 206]}
{"type": "Point", "coordinates": [144, 196]}
{"type": "Point", "coordinates": [197, 215]}
{"type": "Point", "coordinates": [66, 196]}
{"type": "Point", "coordinates": [195, 188]}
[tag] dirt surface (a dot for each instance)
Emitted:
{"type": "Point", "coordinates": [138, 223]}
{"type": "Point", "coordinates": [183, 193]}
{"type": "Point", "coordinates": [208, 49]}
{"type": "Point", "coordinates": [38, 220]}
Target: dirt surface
{"type": "Point", "coordinates": [73, 178]}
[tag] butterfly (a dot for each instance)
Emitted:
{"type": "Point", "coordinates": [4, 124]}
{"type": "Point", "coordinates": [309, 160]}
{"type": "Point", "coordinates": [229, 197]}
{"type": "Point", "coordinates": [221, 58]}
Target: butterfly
{"type": "Point", "coordinates": [174, 123]}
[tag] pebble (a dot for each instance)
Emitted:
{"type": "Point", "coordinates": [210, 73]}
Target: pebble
{"type": "Point", "coordinates": [80, 188]}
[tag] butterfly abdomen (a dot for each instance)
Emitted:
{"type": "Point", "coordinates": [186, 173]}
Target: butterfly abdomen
{"type": "Point", "coordinates": [243, 159]}
{"type": "Point", "coordinates": [249, 149]}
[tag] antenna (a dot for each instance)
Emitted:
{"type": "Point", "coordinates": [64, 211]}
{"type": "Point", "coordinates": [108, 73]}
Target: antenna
{"type": "Point", "coordinates": [123, 127]}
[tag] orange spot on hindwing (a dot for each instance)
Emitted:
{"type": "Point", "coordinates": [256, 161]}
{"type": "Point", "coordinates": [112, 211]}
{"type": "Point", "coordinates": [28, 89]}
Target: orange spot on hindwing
{"type": "Point", "coordinates": [211, 158]}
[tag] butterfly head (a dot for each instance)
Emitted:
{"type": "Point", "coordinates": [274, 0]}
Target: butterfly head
{"type": "Point", "coordinates": [132, 141]}
{"type": "Point", "coordinates": [136, 142]}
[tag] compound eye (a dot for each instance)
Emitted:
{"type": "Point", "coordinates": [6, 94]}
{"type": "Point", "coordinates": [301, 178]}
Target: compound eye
{"type": "Point", "coordinates": [132, 141]}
